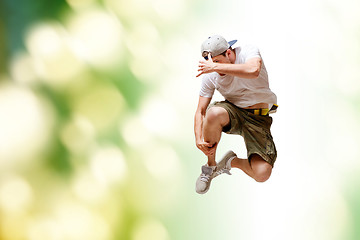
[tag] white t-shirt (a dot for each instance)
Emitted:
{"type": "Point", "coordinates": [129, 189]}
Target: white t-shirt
{"type": "Point", "coordinates": [242, 92]}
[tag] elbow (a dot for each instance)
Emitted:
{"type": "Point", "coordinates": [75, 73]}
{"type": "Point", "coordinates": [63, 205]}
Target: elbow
{"type": "Point", "coordinates": [255, 73]}
{"type": "Point", "coordinates": [255, 68]}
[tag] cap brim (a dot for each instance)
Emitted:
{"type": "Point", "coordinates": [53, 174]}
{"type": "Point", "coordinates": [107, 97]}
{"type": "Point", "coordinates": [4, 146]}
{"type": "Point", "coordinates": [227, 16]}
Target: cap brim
{"type": "Point", "coordinates": [232, 42]}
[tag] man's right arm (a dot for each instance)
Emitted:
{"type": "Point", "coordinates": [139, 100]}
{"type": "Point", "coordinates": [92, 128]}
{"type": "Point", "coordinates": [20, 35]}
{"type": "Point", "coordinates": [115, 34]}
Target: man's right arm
{"type": "Point", "coordinates": [198, 124]}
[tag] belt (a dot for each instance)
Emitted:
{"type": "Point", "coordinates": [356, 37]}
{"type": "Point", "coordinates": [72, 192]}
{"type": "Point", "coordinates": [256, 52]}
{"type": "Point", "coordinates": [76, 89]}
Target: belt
{"type": "Point", "coordinates": [263, 111]}
{"type": "Point", "coordinates": [259, 111]}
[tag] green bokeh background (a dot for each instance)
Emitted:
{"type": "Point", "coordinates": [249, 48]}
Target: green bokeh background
{"type": "Point", "coordinates": [97, 99]}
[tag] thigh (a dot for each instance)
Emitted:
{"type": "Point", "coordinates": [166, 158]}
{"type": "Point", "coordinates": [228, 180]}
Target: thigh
{"type": "Point", "coordinates": [258, 140]}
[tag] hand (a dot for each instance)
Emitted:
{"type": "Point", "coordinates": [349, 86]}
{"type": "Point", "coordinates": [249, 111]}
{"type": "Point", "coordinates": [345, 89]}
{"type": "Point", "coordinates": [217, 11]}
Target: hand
{"type": "Point", "coordinates": [207, 148]}
{"type": "Point", "coordinates": [206, 66]}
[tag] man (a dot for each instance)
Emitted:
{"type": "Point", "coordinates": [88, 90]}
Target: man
{"type": "Point", "coordinates": [240, 76]}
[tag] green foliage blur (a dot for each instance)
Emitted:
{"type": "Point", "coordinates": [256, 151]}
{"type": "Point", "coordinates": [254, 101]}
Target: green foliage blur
{"type": "Point", "coordinates": [97, 99]}
{"type": "Point", "coordinates": [86, 150]}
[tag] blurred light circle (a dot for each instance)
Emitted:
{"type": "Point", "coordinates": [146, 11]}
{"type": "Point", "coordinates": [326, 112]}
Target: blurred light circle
{"type": "Point", "coordinates": [134, 132]}
{"type": "Point", "coordinates": [25, 125]}
{"type": "Point", "coordinates": [44, 228]}
{"type": "Point", "coordinates": [78, 135]}
{"type": "Point", "coordinates": [144, 71]}
{"type": "Point", "coordinates": [143, 42]}
{"type": "Point", "coordinates": [100, 104]}
{"type": "Point", "coordinates": [108, 165]}
{"type": "Point", "coordinates": [78, 222]}
{"type": "Point", "coordinates": [168, 10]}
{"type": "Point", "coordinates": [141, 37]}
{"type": "Point", "coordinates": [147, 229]}
{"type": "Point", "coordinates": [54, 60]}
{"type": "Point", "coordinates": [87, 188]}
{"type": "Point", "coordinates": [22, 68]}
{"type": "Point", "coordinates": [78, 4]}
{"type": "Point", "coordinates": [163, 163]}
{"type": "Point", "coordinates": [130, 10]}
{"type": "Point", "coordinates": [99, 34]}
{"type": "Point", "coordinates": [15, 194]}
{"type": "Point", "coordinates": [159, 117]}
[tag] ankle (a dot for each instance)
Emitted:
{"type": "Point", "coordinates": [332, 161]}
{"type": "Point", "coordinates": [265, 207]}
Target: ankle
{"type": "Point", "coordinates": [229, 164]}
{"type": "Point", "coordinates": [237, 162]}
{"type": "Point", "coordinates": [211, 165]}
{"type": "Point", "coordinates": [211, 162]}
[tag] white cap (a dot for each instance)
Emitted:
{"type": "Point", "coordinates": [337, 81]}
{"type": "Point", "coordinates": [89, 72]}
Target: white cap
{"type": "Point", "coordinates": [216, 45]}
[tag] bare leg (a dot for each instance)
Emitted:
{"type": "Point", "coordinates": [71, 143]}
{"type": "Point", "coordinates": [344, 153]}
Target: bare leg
{"type": "Point", "coordinates": [259, 169]}
{"type": "Point", "coordinates": [216, 118]}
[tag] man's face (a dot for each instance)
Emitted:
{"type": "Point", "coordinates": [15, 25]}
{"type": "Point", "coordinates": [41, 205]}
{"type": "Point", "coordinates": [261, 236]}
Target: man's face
{"type": "Point", "coordinates": [221, 59]}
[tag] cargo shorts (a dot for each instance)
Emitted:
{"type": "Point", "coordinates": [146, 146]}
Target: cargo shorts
{"type": "Point", "coordinates": [255, 129]}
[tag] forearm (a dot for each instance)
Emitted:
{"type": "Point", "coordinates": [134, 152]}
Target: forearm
{"type": "Point", "coordinates": [239, 70]}
{"type": "Point", "coordinates": [198, 122]}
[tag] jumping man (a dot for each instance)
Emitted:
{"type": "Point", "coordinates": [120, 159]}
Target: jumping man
{"type": "Point", "coordinates": [240, 76]}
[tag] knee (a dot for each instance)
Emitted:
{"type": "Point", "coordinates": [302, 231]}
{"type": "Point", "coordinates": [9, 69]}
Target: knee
{"type": "Point", "coordinates": [261, 169]}
{"type": "Point", "coordinates": [261, 177]}
{"type": "Point", "coordinates": [262, 174]}
{"type": "Point", "coordinates": [214, 115]}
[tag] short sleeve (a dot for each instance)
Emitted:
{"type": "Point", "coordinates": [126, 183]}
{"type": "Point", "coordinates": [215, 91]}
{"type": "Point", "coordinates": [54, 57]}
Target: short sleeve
{"type": "Point", "coordinates": [251, 51]}
{"type": "Point", "coordinates": [207, 86]}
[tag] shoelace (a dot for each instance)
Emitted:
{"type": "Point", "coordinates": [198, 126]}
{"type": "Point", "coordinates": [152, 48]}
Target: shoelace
{"type": "Point", "coordinates": [204, 178]}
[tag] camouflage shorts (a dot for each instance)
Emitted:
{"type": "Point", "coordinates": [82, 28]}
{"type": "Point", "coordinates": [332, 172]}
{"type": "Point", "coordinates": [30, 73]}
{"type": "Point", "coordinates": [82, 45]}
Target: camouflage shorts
{"type": "Point", "coordinates": [253, 128]}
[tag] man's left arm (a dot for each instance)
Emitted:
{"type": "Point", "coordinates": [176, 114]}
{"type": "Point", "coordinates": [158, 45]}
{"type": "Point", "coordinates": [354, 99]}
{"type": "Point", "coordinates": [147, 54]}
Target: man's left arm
{"type": "Point", "coordinates": [250, 69]}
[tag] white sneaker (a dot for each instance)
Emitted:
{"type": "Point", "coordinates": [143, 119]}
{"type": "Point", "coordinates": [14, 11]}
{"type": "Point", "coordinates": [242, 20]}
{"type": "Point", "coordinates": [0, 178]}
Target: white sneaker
{"type": "Point", "coordinates": [204, 180]}
{"type": "Point", "coordinates": [224, 166]}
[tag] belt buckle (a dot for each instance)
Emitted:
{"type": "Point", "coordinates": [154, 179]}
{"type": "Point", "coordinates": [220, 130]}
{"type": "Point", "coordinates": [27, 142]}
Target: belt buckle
{"type": "Point", "coordinates": [264, 111]}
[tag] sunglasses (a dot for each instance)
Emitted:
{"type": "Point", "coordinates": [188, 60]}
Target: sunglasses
{"type": "Point", "coordinates": [205, 55]}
